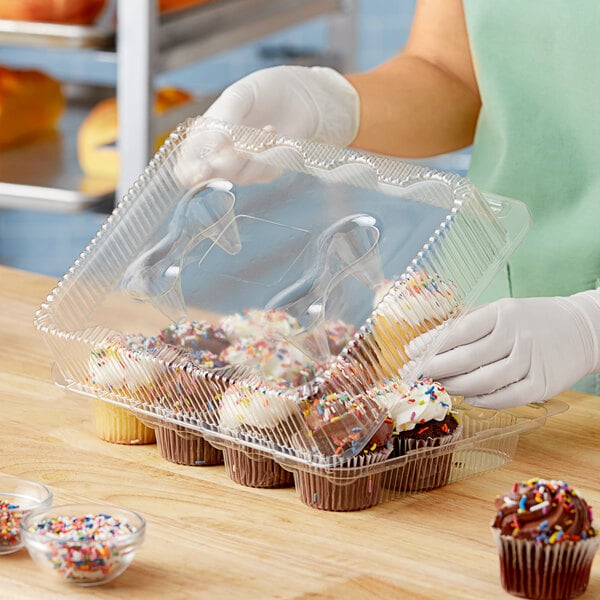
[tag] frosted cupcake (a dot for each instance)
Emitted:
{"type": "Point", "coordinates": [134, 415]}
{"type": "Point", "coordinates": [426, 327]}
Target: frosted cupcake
{"type": "Point", "coordinates": [346, 445]}
{"type": "Point", "coordinates": [269, 418]}
{"type": "Point", "coordinates": [192, 389]}
{"type": "Point", "coordinates": [354, 484]}
{"type": "Point", "coordinates": [255, 322]}
{"type": "Point", "coordinates": [191, 392]}
{"type": "Point", "coordinates": [123, 366]}
{"type": "Point", "coordinates": [278, 362]}
{"type": "Point", "coordinates": [403, 311]}
{"type": "Point", "coordinates": [260, 339]}
{"type": "Point", "coordinates": [424, 425]}
{"type": "Point", "coordinates": [195, 336]}
{"type": "Point", "coordinates": [546, 540]}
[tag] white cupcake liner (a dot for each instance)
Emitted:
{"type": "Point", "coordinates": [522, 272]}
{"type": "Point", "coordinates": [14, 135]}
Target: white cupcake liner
{"type": "Point", "coordinates": [119, 425]}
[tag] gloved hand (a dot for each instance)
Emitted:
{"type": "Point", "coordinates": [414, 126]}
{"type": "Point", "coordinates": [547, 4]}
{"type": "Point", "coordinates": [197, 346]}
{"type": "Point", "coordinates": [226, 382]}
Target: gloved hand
{"type": "Point", "coordinates": [315, 103]}
{"type": "Point", "coordinates": [516, 351]}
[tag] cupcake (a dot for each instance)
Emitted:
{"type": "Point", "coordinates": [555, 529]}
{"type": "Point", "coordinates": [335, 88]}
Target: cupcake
{"type": "Point", "coordinates": [546, 540]}
{"type": "Point", "coordinates": [124, 366]}
{"type": "Point", "coordinates": [355, 484]}
{"type": "Point", "coordinates": [192, 388]}
{"type": "Point", "coordinates": [119, 425]}
{"type": "Point", "coordinates": [254, 322]}
{"type": "Point", "coordinates": [264, 417]}
{"type": "Point", "coordinates": [425, 425]}
{"type": "Point", "coordinates": [403, 311]}
{"type": "Point", "coordinates": [341, 474]}
{"type": "Point", "coordinates": [260, 339]}
{"type": "Point", "coordinates": [195, 336]}
{"type": "Point", "coordinates": [278, 362]}
{"type": "Point", "coordinates": [340, 425]}
{"type": "Point", "coordinates": [182, 446]}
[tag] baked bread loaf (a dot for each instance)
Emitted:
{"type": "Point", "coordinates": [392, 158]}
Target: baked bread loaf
{"type": "Point", "coordinates": [31, 103]}
{"type": "Point", "coordinates": [70, 12]}
{"type": "Point", "coordinates": [97, 136]}
{"type": "Point", "coordinates": [170, 5]}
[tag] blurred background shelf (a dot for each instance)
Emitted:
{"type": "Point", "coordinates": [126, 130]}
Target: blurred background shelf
{"type": "Point", "coordinates": [45, 174]}
{"type": "Point", "coordinates": [142, 45]}
{"type": "Point", "coordinates": [42, 35]}
{"type": "Point", "coordinates": [48, 237]}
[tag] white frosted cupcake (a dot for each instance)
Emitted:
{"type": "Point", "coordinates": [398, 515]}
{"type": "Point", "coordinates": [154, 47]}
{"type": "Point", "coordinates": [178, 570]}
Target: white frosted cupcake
{"type": "Point", "coordinates": [403, 311]}
{"type": "Point", "coordinates": [255, 322]}
{"type": "Point", "coordinates": [424, 426]}
{"type": "Point", "coordinates": [271, 418]}
{"type": "Point", "coordinates": [122, 365]}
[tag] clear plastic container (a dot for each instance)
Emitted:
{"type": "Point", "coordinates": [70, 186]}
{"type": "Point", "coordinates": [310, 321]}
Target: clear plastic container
{"type": "Point", "coordinates": [487, 440]}
{"type": "Point", "coordinates": [319, 276]}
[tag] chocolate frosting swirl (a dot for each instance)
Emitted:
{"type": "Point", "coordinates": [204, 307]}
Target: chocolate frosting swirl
{"type": "Point", "coordinates": [545, 511]}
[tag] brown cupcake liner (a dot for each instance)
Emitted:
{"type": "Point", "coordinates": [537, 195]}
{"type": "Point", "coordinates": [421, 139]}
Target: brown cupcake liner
{"type": "Point", "coordinates": [347, 488]}
{"type": "Point", "coordinates": [255, 471]}
{"type": "Point", "coordinates": [179, 445]}
{"type": "Point", "coordinates": [427, 472]}
{"type": "Point", "coordinates": [119, 425]}
{"type": "Point", "coordinates": [545, 572]}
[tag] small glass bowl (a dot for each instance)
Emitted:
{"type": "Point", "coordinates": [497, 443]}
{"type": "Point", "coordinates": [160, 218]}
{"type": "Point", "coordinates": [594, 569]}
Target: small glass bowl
{"type": "Point", "coordinates": [17, 498]}
{"type": "Point", "coordinates": [83, 544]}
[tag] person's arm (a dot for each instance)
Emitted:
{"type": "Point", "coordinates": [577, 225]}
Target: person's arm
{"type": "Point", "coordinates": [424, 101]}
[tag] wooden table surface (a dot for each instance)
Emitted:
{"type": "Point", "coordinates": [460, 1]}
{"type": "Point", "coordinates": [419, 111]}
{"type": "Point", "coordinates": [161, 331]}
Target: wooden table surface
{"type": "Point", "coordinates": [208, 537]}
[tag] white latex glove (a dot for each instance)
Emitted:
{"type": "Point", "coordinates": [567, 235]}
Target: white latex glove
{"type": "Point", "coordinates": [314, 103]}
{"type": "Point", "coordinates": [516, 351]}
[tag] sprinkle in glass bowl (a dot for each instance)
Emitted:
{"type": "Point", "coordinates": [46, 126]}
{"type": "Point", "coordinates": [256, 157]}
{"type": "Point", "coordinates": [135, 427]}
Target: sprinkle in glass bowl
{"type": "Point", "coordinates": [83, 544]}
{"type": "Point", "coordinates": [17, 498]}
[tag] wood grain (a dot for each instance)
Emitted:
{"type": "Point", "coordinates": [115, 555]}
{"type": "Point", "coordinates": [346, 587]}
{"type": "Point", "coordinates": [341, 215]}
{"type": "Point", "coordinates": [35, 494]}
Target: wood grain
{"type": "Point", "coordinates": [210, 538]}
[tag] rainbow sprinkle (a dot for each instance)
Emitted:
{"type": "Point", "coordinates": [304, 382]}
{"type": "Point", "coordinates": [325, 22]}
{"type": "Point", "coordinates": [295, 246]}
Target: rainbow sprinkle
{"type": "Point", "coordinates": [10, 517]}
{"type": "Point", "coordinates": [564, 514]}
{"type": "Point", "coordinates": [82, 548]}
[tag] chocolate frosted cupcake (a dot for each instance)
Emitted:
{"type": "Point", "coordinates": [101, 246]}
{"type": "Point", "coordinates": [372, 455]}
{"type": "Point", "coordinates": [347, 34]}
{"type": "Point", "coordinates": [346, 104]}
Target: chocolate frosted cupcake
{"type": "Point", "coordinates": [340, 424]}
{"type": "Point", "coordinates": [341, 474]}
{"type": "Point", "coordinates": [190, 393]}
{"type": "Point", "coordinates": [424, 425]}
{"type": "Point", "coordinates": [356, 484]}
{"type": "Point", "coordinates": [546, 540]}
{"type": "Point", "coordinates": [195, 336]}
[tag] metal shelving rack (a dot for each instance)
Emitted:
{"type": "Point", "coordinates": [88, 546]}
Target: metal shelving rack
{"type": "Point", "coordinates": [144, 44]}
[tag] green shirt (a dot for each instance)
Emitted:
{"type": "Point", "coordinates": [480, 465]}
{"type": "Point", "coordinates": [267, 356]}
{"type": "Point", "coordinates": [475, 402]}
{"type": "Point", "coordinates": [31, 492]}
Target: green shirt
{"type": "Point", "coordinates": [538, 135]}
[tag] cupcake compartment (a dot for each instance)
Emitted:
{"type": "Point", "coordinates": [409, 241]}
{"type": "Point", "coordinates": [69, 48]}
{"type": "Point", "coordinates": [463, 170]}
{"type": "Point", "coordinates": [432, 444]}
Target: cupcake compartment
{"type": "Point", "coordinates": [179, 445]}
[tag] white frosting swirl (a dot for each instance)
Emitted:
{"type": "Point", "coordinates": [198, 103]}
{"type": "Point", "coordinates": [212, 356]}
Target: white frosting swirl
{"type": "Point", "coordinates": [412, 405]}
{"type": "Point", "coordinates": [280, 360]}
{"type": "Point", "coordinates": [259, 323]}
{"type": "Point", "coordinates": [254, 407]}
{"type": "Point", "coordinates": [415, 300]}
{"type": "Point", "coordinates": [123, 361]}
